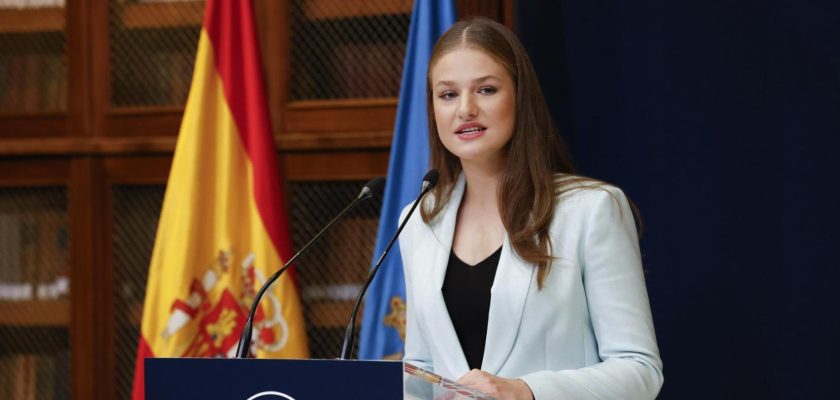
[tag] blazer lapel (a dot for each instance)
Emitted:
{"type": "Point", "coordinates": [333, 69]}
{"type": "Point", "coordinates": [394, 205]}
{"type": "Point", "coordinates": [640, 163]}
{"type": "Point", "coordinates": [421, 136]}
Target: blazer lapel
{"type": "Point", "coordinates": [507, 304]}
{"type": "Point", "coordinates": [445, 337]}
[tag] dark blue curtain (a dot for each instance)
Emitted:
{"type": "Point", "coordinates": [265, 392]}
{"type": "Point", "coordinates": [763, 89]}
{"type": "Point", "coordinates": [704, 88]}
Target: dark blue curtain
{"type": "Point", "coordinates": [719, 119]}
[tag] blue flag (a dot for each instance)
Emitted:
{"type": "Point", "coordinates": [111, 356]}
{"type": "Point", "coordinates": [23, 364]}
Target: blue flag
{"type": "Point", "coordinates": [383, 322]}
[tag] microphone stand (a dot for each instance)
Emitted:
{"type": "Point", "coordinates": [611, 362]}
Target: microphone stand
{"type": "Point", "coordinates": [429, 182]}
{"type": "Point", "coordinates": [242, 349]}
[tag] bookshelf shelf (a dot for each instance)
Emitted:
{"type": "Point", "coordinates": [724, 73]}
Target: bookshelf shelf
{"type": "Point", "coordinates": [31, 20]}
{"type": "Point", "coordinates": [163, 15]}
{"type": "Point", "coordinates": [35, 313]}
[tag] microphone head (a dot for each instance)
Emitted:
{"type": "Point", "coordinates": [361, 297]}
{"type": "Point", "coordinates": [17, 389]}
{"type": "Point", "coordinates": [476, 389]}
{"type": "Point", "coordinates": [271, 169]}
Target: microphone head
{"type": "Point", "coordinates": [373, 187]}
{"type": "Point", "coordinates": [430, 179]}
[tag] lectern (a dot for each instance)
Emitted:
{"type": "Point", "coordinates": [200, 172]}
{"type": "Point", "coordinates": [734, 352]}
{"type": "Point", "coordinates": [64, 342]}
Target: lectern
{"type": "Point", "coordinates": [270, 379]}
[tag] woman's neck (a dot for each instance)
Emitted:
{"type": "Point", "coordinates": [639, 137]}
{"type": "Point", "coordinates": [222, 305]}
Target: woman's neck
{"type": "Point", "coordinates": [482, 185]}
{"type": "Point", "coordinates": [479, 229]}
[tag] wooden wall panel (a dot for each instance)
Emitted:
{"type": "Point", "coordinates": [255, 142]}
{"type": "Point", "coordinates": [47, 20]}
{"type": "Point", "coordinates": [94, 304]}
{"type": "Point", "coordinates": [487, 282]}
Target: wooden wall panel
{"type": "Point", "coordinates": [34, 171]}
{"type": "Point", "coordinates": [90, 286]}
{"type": "Point", "coordinates": [336, 165]}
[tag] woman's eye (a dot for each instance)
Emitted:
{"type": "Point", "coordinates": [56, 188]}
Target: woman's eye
{"type": "Point", "coordinates": [487, 90]}
{"type": "Point", "coordinates": [448, 95]}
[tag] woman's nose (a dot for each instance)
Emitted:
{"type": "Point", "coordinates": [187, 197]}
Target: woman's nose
{"type": "Point", "coordinates": [467, 108]}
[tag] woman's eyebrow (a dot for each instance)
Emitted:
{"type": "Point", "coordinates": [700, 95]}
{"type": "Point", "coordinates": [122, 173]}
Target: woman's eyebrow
{"type": "Point", "coordinates": [484, 78]}
{"type": "Point", "coordinates": [476, 80]}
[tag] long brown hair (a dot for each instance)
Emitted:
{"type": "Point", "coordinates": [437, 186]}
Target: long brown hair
{"type": "Point", "coordinates": [535, 152]}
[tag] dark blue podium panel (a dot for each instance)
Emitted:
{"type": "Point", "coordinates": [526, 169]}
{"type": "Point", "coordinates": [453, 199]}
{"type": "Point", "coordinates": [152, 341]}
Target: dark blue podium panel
{"type": "Point", "coordinates": [261, 379]}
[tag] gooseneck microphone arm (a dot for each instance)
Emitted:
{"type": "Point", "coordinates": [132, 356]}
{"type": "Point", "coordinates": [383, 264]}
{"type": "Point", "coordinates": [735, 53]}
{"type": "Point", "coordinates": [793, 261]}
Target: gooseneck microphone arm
{"type": "Point", "coordinates": [429, 181]}
{"type": "Point", "coordinates": [243, 348]}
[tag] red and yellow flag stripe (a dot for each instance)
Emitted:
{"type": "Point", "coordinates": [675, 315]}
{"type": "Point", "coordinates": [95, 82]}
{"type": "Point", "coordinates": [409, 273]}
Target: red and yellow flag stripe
{"type": "Point", "coordinates": [223, 227]}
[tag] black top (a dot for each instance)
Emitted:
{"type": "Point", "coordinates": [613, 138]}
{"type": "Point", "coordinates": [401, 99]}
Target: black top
{"type": "Point", "coordinates": [466, 291]}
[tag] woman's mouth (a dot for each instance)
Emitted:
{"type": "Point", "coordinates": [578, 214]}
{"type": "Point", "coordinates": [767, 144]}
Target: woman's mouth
{"type": "Point", "coordinates": [470, 130]}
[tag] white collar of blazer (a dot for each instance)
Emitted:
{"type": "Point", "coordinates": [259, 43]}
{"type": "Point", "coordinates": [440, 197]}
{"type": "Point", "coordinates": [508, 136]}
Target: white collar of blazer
{"type": "Point", "coordinates": [510, 289]}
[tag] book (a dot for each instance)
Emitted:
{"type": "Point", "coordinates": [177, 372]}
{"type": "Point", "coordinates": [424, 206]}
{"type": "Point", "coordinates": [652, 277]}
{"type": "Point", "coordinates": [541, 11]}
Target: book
{"type": "Point", "coordinates": [45, 376]}
{"type": "Point", "coordinates": [10, 248]}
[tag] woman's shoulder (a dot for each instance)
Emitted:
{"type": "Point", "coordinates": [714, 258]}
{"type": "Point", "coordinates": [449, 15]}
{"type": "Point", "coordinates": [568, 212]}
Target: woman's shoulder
{"type": "Point", "coordinates": [568, 186]}
{"type": "Point", "coordinates": [583, 195]}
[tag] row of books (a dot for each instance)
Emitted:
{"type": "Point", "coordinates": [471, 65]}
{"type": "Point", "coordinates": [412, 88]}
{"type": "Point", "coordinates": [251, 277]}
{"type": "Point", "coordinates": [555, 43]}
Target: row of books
{"type": "Point", "coordinates": [31, 3]}
{"type": "Point", "coordinates": [33, 82]}
{"type": "Point", "coordinates": [42, 291]}
{"type": "Point", "coordinates": [26, 376]}
{"type": "Point", "coordinates": [33, 254]}
{"type": "Point", "coordinates": [346, 70]}
{"type": "Point", "coordinates": [152, 78]}
{"type": "Point", "coordinates": [37, 82]}
{"type": "Point", "coordinates": [60, 3]}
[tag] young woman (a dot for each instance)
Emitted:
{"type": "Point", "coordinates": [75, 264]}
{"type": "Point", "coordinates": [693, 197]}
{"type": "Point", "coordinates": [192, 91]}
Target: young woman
{"type": "Point", "coordinates": [523, 280]}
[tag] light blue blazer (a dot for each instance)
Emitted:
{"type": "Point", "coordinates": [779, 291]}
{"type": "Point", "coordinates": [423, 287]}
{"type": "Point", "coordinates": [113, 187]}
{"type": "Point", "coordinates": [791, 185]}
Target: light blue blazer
{"type": "Point", "coordinates": [588, 334]}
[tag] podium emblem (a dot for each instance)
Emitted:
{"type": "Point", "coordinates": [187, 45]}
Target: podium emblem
{"type": "Point", "coordinates": [270, 395]}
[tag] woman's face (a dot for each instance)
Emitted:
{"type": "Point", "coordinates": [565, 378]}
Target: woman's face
{"type": "Point", "coordinates": [474, 105]}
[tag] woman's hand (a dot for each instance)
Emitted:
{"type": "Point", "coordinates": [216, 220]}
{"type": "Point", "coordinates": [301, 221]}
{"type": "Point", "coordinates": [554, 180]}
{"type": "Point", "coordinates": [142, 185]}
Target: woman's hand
{"type": "Point", "coordinates": [500, 388]}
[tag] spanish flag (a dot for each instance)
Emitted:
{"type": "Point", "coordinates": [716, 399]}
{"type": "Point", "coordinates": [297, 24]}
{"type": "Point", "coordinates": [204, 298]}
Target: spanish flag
{"type": "Point", "coordinates": [223, 228]}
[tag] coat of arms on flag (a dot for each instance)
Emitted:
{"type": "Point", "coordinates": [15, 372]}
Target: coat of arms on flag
{"type": "Point", "coordinates": [220, 316]}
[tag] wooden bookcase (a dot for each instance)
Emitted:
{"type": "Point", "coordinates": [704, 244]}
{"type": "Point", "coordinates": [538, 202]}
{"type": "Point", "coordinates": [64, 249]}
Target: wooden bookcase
{"type": "Point", "coordinates": [65, 127]}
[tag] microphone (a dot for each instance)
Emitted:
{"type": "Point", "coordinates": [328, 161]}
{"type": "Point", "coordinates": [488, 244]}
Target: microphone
{"type": "Point", "coordinates": [375, 185]}
{"type": "Point", "coordinates": [429, 181]}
